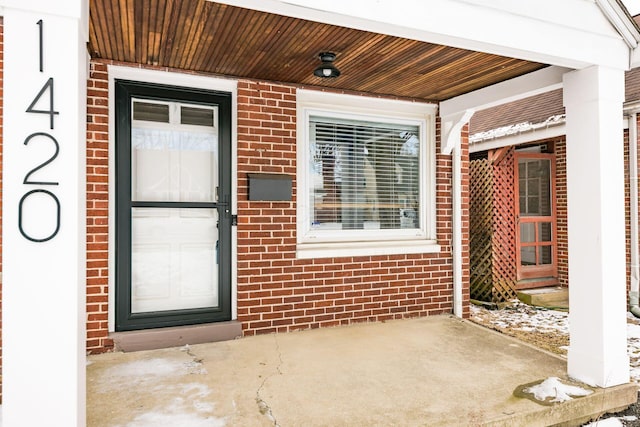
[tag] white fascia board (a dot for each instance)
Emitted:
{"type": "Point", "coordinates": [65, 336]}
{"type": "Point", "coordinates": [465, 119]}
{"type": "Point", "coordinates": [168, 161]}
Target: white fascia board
{"type": "Point", "coordinates": [575, 35]}
{"type": "Point", "coordinates": [635, 58]}
{"type": "Point", "coordinates": [534, 83]}
{"type": "Point", "coordinates": [621, 21]}
{"type": "Point", "coordinates": [536, 134]}
{"type": "Point", "coordinates": [521, 138]}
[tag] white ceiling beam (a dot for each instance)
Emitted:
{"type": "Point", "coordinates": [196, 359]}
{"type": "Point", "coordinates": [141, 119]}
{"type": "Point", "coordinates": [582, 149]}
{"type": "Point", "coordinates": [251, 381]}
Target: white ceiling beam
{"type": "Point", "coordinates": [571, 33]}
{"type": "Point", "coordinates": [534, 83]}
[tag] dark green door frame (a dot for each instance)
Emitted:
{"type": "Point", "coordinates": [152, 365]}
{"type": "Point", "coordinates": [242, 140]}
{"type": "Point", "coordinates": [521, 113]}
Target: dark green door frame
{"type": "Point", "coordinates": [124, 92]}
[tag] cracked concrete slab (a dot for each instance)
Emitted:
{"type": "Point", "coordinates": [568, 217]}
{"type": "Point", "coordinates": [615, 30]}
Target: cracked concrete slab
{"type": "Point", "coordinates": [430, 371]}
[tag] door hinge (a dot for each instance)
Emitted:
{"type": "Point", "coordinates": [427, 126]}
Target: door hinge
{"type": "Point", "coordinates": [234, 219]}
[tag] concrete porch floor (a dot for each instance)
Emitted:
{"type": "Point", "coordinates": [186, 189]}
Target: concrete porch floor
{"type": "Point", "coordinates": [436, 371]}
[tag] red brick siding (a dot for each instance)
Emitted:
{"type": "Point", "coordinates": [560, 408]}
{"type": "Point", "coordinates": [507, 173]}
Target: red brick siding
{"type": "Point", "coordinates": [627, 211]}
{"type": "Point", "coordinates": [627, 201]}
{"type": "Point", "coordinates": [97, 208]}
{"type": "Point", "coordinates": [561, 210]}
{"type": "Point", "coordinates": [276, 291]}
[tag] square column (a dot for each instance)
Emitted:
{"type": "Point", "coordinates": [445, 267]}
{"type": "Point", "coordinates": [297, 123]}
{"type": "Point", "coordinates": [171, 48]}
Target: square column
{"type": "Point", "coordinates": [44, 211]}
{"type": "Point", "coordinates": [593, 99]}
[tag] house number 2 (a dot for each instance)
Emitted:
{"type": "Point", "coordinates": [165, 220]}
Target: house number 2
{"type": "Point", "coordinates": [45, 96]}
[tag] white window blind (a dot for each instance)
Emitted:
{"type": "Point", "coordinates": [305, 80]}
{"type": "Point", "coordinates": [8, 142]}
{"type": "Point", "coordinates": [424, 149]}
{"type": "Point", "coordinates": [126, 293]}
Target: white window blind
{"type": "Point", "coordinates": [364, 174]}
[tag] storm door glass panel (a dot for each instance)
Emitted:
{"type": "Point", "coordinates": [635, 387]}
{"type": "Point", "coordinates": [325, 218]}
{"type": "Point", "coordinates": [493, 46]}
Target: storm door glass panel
{"type": "Point", "coordinates": [173, 259]}
{"type": "Point", "coordinates": [173, 164]}
{"type": "Point", "coordinates": [527, 232]}
{"type": "Point", "coordinates": [545, 255]}
{"type": "Point", "coordinates": [535, 187]}
{"type": "Point", "coordinates": [174, 234]}
{"type": "Point", "coordinates": [528, 255]}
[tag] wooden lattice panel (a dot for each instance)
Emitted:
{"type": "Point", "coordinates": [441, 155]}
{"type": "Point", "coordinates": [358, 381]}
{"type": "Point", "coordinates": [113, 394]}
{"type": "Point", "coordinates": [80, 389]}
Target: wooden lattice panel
{"type": "Point", "coordinates": [481, 230]}
{"type": "Point", "coordinates": [504, 225]}
{"type": "Point", "coordinates": [492, 227]}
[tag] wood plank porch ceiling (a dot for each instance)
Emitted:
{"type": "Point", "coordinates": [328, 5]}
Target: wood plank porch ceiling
{"type": "Point", "coordinates": [207, 37]}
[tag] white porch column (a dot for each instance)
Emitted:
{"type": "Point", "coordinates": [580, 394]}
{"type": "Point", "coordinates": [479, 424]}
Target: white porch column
{"type": "Point", "coordinates": [593, 99]}
{"type": "Point", "coordinates": [43, 224]}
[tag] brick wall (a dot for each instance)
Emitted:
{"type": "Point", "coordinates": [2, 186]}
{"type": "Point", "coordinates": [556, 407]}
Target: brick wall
{"type": "Point", "coordinates": [97, 208]}
{"type": "Point", "coordinates": [627, 211]}
{"type": "Point", "coordinates": [627, 201]}
{"type": "Point", "coordinates": [560, 148]}
{"type": "Point", "coordinates": [276, 291]}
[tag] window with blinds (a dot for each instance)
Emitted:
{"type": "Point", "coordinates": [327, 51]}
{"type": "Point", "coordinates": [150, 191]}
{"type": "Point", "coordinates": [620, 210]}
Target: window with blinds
{"type": "Point", "coordinates": [364, 175]}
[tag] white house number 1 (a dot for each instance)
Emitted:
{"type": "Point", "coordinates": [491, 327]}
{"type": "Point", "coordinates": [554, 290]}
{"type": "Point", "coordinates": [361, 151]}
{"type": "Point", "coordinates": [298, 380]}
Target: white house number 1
{"type": "Point", "coordinates": [31, 177]}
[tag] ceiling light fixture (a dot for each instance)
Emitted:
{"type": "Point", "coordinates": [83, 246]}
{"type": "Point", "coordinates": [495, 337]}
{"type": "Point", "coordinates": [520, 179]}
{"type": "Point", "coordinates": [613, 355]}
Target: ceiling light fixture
{"type": "Point", "coordinates": [327, 69]}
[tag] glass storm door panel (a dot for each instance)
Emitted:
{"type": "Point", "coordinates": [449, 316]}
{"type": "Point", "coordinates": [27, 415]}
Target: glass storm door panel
{"type": "Point", "coordinates": [173, 260]}
{"type": "Point", "coordinates": [536, 229]}
{"type": "Point", "coordinates": [173, 224]}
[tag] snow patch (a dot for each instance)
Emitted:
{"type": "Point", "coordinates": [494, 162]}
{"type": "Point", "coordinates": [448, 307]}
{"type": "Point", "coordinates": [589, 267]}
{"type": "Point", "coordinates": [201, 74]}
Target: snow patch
{"type": "Point", "coordinates": [186, 410]}
{"type": "Point", "coordinates": [608, 422]}
{"type": "Point", "coordinates": [535, 319]}
{"type": "Point", "coordinates": [526, 318]}
{"type": "Point", "coordinates": [553, 388]}
{"type": "Point", "coordinates": [516, 129]}
{"type": "Point", "coordinates": [146, 368]}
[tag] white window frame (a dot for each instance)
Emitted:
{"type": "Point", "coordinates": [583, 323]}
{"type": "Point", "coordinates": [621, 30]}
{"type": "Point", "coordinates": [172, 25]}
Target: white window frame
{"type": "Point", "coordinates": [322, 243]}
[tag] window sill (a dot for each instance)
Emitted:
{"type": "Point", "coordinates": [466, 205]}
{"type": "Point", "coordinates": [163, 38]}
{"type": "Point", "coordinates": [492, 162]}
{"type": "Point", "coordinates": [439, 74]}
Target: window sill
{"type": "Point", "coordinates": [333, 250]}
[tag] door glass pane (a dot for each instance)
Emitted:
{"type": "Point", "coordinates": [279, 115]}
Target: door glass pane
{"type": "Point", "coordinates": [528, 255]}
{"type": "Point", "coordinates": [545, 255]}
{"type": "Point", "coordinates": [544, 231]}
{"type": "Point", "coordinates": [174, 259]}
{"type": "Point", "coordinates": [171, 162]}
{"type": "Point", "coordinates": [173, 165]}
{"type": "Point", "coordinates": [545, 187]}
{"type": "Point", "coordinates": [199, 116]}
{"type": "Point", "coordinates": [151, 112]}
{"type": "Point", "coordinates": [527, 232]}
{"type": "Point", "coordinates": [534, 180]}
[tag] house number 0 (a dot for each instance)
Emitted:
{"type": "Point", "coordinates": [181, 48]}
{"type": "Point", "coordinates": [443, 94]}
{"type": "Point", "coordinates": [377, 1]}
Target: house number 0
{"type": "Point", "coordinates": [45, 96]}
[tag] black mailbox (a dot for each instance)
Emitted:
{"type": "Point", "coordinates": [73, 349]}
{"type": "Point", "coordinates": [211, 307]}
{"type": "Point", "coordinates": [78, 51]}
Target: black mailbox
{"type": "Point", "coordinates": [269, 187]}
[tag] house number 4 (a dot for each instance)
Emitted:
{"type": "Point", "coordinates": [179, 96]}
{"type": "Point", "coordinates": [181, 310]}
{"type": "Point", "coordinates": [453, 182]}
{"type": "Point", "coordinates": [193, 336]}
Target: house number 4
{"type": "Point", "coordinates": [45, 96]}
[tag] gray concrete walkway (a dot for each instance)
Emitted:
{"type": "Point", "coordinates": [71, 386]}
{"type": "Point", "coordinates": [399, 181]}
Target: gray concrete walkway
{"type": "Point", "coordinates": [436, 371]}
